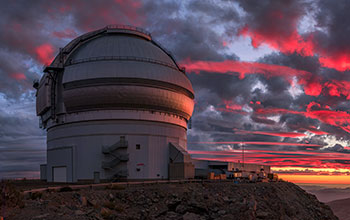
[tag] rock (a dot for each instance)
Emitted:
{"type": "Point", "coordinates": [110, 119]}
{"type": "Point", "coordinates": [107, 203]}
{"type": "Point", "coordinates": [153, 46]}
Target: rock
{"type": "Point", "coordinates": [92, 202]}
{"type": "Point", "coordinates": [73, 207]}
{"type": "Point", "coordinates": [262, 214]}
{"type": "Point", "coordinates": [181, 209]}
{"type": "Point", "coordinates": [40, 216]}
{"type": "Point", "coordinates": [105, 212]}
{"type": "Point", "coordinates": [171, 215]}
{"type": "Point", "coordinates": [173, 203]}
{"type": "Point", "coordinates": [197, 206]}
{"type": "Point", "coordinates": [36, 195]}
{"type": "Point", "coordinates": [83, 201]}
{"type": "Point", "coordinates": [161, 212]}
{"type": "Point", "coordinates": [252, 205]}
{"type": "Point", "coordinates": [110, 196]}
{"type": "Point", "coordinates": [191, 216]}
{"type": "Point", "coordinates": [76, 195]}
{"type": "Point", "coordinates": [222, 212]}
{"type": "Point", "coordinates": [109, 204]}
{"type": "Point", "coordinates": [79, 212]}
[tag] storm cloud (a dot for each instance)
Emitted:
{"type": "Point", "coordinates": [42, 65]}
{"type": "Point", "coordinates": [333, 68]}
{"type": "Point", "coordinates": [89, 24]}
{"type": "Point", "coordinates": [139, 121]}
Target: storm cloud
{"type": "Point", "coordinates": [297, 91]}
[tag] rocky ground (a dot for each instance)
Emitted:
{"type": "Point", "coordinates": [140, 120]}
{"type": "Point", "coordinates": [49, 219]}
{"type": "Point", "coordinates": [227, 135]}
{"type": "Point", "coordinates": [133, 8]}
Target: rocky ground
{"type": "Point", "coordinates": [207, 200]}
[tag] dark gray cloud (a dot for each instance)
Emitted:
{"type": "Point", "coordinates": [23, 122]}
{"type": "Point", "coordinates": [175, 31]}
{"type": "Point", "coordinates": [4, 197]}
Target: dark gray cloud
{"type": "Point", "coordinates": [22, 143]}
{"type": "Point", "coordinates": [338, 148]}
{"type": "Point", "coordinates": [333, 19]}
{"type": "Point", "coordinates": [188, 28]}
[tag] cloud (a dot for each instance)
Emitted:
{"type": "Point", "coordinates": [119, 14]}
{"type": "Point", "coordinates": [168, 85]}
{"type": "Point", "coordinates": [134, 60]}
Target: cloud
{"type": "Point", "coordinates": [22, 143]}
{"type": "Point", "coordinates": [275, 23]}
{"type": "Point", "coordinates": [298, 94]}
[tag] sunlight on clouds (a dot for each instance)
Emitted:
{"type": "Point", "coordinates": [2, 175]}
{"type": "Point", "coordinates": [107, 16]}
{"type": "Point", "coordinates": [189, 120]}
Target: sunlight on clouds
{"type": "Point", "coordinates": [310, 169]}
{"type": "Point", "coordinates": [295, 89]}
{"type": "Point", "coordinates": [259, 85]}
{"type": "Point", "coordinates": [275, 118]}
{"type": "Point", "coordinates": [243, 48]}
{"type": "Point", "coordinates": [332, 140]}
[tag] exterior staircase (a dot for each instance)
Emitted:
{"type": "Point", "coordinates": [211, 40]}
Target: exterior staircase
{"type": "Point", "coordinates": [116, 155]}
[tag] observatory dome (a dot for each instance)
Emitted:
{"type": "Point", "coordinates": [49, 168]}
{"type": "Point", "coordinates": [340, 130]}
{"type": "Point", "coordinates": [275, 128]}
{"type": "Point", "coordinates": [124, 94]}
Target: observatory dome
{"type": "Point", "coordinates": [115, 83]}
{"type": "Point", "coordinates": [125, 70]}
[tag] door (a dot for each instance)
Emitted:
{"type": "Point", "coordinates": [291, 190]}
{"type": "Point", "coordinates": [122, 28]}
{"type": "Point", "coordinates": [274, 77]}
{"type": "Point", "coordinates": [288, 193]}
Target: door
{"type": "Point", "coordinates": [60, 174]}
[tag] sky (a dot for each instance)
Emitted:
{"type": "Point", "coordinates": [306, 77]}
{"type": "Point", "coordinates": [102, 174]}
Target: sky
{"type": "Point", "coordinates": [272, 77]}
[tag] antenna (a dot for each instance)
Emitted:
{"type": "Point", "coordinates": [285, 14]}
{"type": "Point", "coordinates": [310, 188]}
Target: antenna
{"type": "Point", "coordinates": [242, 146]}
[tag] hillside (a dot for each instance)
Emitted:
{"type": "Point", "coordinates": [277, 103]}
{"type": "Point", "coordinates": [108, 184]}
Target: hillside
{"type": "Point", "coordinates": [207, 200]}
{"type": "Point", "coordinates": [341, 208]}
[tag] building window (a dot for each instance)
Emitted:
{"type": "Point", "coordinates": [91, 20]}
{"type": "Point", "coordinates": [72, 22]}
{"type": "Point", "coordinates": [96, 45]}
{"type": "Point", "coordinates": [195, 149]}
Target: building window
{"type": "Point", "coordinates": [138, 169]}
{"type": "Point", "coordinates": [138, 147]}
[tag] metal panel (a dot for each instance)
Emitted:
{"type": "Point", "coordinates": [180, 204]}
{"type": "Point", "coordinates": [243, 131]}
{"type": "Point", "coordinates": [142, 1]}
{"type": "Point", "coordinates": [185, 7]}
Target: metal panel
{"type": "Point", "coordinates": [60, 156]}
{"type": "Point", "coordinates": [138, 164]}
{"type": "Point", "coordinates": [127, 97]}
{"type": "Point", "coordinates": [43, 173]}
{"type": "Point", "coordinates": [43, 100]}
{"type": "Point", "coordinates": [125, 69]}
{"type": "Point", "coordinates": [90, 137]}
{"type": "Point", "coordinates": [121, 45]}
{"type": "Point", "coordinates": [59, 174]}
{"type": "Point", "coordinates": [141, 115]}
{"type": "Point", "coordinates": [181, 171]}
{"type": "Point", "coordinates": [178, 154]}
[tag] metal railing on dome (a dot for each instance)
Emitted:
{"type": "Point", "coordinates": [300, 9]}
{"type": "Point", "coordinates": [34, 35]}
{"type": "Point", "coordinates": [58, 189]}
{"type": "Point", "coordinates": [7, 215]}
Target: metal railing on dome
{"type": "Point", "coordinates": [76, 41]}
{"type": "Point", "coordinates": [122, 58]}
{"type": "Point", "coordinates": [128, 27]}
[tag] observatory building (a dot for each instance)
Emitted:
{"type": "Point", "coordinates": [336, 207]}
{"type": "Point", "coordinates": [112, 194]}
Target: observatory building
{"type": "Point", "coordinates": [115, 104]}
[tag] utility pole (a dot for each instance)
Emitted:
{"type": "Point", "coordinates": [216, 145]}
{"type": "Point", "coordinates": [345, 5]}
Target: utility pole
{"type": "Point", "coordinates": [243, 154]}
{"type": "Point", "coordinates": [242, 146]}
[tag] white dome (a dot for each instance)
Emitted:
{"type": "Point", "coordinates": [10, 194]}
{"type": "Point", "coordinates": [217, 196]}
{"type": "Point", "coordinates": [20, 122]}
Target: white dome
{"type": "Point", "coordinates": [117, 68]}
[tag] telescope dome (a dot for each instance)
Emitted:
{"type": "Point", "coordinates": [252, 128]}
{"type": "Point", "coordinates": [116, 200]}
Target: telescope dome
{"type": "Point", "coordinates": [114, 102]}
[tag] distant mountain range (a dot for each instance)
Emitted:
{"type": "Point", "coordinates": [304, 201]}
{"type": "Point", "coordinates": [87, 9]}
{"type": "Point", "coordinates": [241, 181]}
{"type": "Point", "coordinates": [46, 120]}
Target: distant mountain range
{"type": "Point", "coordinates": [325, 194]}
{"type": "Point", "coordinates": [341, 208]}
{"type": "Point", "coordinates": [336, 198]}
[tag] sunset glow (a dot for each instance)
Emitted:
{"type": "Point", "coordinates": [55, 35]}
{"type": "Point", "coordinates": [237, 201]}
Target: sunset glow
{"type": "Point", "coordinates": [271, 77]}
{"type": "Point", "coordinates": [316, 179]}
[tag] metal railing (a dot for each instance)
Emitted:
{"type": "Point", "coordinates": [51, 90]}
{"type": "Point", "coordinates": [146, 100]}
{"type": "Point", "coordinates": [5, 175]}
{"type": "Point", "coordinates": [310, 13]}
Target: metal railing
{"type": "Point", "coordinates": [128, 27]}
{"type": "Point", "coordinates": [71, 45]}
{"type": "Point", "coordinates": [121, 58]}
